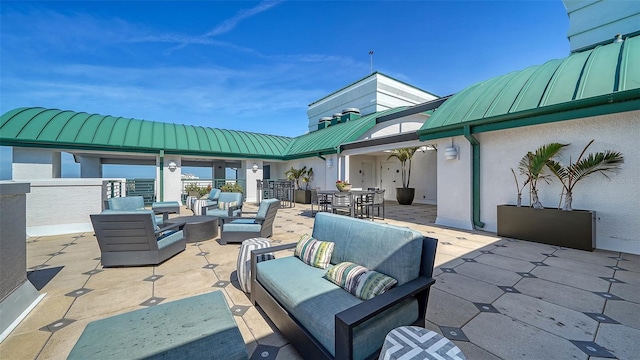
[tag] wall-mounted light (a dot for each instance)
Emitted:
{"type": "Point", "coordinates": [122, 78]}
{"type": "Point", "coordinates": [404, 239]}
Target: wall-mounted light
{"type": "Point", "coordinates": [254, 168]}
{"type": "Point", "coordinates": [329, 163]}
{"type": "Point", "coordinates": [172, 165]}
{"type": "Point", "coordinates": [451, 153]}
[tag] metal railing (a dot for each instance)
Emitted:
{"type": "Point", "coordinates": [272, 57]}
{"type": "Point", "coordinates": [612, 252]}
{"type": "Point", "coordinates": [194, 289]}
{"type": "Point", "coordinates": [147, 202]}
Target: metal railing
{"type": "Point", "coordinates": [142, 187]}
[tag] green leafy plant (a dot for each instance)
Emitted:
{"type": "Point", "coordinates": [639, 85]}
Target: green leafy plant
{"type": "Point", "coordinates": [404, 155]}
{"type": "Point", "coordinates": [232, 187]}
{"type": "Point", "coordinates": [296, 175]}
{"type": "Point", "coordinates": [600, 162]}
{"type": "Point", "coordinates": [532, 166]}
{"type": "Point", "coordinates": [308, 178]}
{"type": "Point", "coordinates": [200, 190]}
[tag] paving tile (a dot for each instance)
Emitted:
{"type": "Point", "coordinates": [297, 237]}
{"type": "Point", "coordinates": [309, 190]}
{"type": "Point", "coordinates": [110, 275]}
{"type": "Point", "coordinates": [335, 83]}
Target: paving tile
{"type": "Point", "coordinates": [61, 342]}
{"type": "Point", "coordinates": [262, 330]}
{"type": "Point", "coordinates": [488, 274]}
{"type": "Point", "coordinates": [571, 278]}
{"type": "Point", "coordinates": [592, 349]}
{"type": "Point", "coordinates": [543, 315]}
{"type": "Point", "coordinates": [597, 257]}
{"type": "Point", "coordinates": [568, 297]}
{"type": "Point", "coordinates": [288, 352]}
{"type": "Point", "coordinates": [523, 251]}
{"type": "Point", "coordinates": [111, 277]}
{"type": "Point", "coordinates": [630, 265]}
{"type": "Point", "coordinates": [579, 267]}
{"type": "Point", "coordinates": [628, 292]}
{"type": "Point", "coordinates": [439, 305]}
{"type": "Point", "coordinates": [524, 341]}
{"type": "Point", "coordinates": [472, 351]}
{"type": "Point", "coordinates": [629, 277]}
{"type": "Point", "coordinates": [504, 262]}
{"type": "Point", "coordinates": [625, 312]}
{"type": "Point", "coordinates": [620, 340]}
{"type": "Point", "coordinates": [26, 345]}
{"type": "Point", "coordinates": [467, 288]}
{"type": "Point", "coordinates": [177, 285]}
{"type": "Point", "coordinates": [265, 352]}
{"type": "Point", "coordinates": [111, 300]}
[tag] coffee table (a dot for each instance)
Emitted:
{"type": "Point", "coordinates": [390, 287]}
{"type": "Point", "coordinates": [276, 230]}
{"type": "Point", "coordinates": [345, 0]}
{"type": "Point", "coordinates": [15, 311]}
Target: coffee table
{"type": "Point", "coordinates": [197, 228]}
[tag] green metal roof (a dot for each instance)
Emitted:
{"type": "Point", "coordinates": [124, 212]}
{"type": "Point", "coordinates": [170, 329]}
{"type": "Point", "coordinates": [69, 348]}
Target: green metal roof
{"type": "Point", "coordinates": [52, 128]}
{"type": "Point", "coordinates": [590, 79]}
{"type": "Point", "coordinates": [326, 141]}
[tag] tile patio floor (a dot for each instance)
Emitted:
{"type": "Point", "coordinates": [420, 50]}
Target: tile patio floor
{"type": "Point", "coordinates": [497, 298]}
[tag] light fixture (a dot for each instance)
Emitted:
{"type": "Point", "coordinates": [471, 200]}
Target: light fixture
{"type": "Point", "coordinates": [254, 168]}
{"type": "Point", "coordinates": [451, 153]}
{"type": "Point", "coordinates": [172, 165]}
{"type": "Point", "coordinates": [329, 163]}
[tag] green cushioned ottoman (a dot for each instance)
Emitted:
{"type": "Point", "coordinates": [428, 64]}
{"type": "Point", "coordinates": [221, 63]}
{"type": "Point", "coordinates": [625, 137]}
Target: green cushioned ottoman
{"type": "Point", "coordinates": [199, 327]}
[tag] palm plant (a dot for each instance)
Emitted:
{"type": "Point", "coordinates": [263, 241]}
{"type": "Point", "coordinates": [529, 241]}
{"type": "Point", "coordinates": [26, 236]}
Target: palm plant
{"type": "Point", "coordinates": [519, 201]}
{"type": "Point", "coordinates": [296, 174]}
{"type": "Point", "coordinates": [532, 165]}
{"type": "Point", "coordinates": [570, 175]}
{"type": "Point", "coordinates": [404, 155]}
{"type": "Point", "coordinates": [307, 178]}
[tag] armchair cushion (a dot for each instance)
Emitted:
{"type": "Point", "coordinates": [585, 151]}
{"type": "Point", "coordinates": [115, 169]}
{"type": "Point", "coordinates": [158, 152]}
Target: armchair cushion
{"type": "Point", "coordinates": [360, 281]}
{"type": "Point", "coordinates": [314, 252]}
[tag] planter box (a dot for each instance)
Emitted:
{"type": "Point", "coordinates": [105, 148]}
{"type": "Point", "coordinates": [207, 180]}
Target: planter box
{"type": "Point", "coordinates": [572, 229]}
{"type": "Point", "coordinates": [302, 196]}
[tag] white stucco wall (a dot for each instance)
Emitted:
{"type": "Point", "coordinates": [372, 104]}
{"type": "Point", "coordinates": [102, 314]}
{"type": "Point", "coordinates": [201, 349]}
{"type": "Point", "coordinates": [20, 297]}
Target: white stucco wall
{"type": "Point", "coordinates": [454, 185]}
{"type": "Point", "coordinates": [321, 174]}
{"type": "Point", "coordinates": [615, 201]}
{"type": "Point", "coordinates": [63, 206]}
{"type": "Point", "coordinates": [172, 179]}
{"type": "Point", "coordinates": [31, 163]}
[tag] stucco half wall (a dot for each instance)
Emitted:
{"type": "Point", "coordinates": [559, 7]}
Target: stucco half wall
{"type": "Point", "coordinates": [615, 201]}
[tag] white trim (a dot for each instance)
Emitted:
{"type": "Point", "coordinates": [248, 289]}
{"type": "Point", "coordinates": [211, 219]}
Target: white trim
{"type": "Point", "coordinates": [62, 229]}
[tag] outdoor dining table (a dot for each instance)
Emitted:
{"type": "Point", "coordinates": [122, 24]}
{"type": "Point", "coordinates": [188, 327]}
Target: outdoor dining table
{"type": "Point", "coordinates": [357, 197]}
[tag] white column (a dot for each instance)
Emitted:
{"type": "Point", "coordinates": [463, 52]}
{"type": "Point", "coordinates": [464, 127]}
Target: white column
{"type": "Point", "coordinates": [172, 179]}
{"type": "Point", "coordinates": [251, 176]}
{"type": "Point", "coordinates": [31, 163]}
{"type": "Point", "coordinates": [90, 166]}
{"type": "Point", "coordinates": [454, 191]}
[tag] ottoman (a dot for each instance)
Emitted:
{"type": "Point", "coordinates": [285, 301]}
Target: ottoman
{"type": "Point", "coordinates": [199, 327]}
{"type": "Point", "coordinates": [244, 260]}
{"type": "Point", "coordinates": [413, 342]}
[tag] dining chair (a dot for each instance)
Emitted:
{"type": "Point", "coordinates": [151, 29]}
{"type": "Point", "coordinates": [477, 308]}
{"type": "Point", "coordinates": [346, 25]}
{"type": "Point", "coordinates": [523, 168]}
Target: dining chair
{"type": "Point", "coordinates": [342, 202]}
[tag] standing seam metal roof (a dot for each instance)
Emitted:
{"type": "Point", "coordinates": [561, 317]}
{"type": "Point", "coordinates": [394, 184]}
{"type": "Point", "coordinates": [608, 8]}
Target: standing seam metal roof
{"type": "Point", "coordinates": [52, 128]}
{"type": "Point", "coordinates": [40, 127]}
{"type": "Point", "coordinates": [609, 69]}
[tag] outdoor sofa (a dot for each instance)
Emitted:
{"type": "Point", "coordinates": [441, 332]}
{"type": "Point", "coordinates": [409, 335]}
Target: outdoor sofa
{"type": "Point", "coordinates": [321, 319]}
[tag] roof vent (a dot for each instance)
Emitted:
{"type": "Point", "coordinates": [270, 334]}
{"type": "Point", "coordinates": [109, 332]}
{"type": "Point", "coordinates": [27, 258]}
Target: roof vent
{"type": "Point", "coordinates": [349, 114]}
{"type": "Point", "coordinates": [618, 38]}
{"type": "Point", "coordinates": [325, 119]}
{"type": "Point", "coordinates": [324, 122]}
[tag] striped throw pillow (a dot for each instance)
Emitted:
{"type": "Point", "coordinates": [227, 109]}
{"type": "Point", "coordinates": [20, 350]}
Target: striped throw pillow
{"type": "Point", "coordinates": [314, 252]}
{"type": "Point", "coordinates": [360, 281]}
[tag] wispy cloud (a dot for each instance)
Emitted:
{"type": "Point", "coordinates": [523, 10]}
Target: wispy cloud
{"type": "Point", "coordinates": [232, 22]}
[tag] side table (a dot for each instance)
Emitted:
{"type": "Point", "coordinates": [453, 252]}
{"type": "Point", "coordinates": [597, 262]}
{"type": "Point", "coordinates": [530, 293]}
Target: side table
{"type": "Point", "coordinates": [197, 206]}
{"type": "Point", "coordinates": [197, 228]}
{"type": "Point", "coordinates": [418, 343]}
{"type": "Point", "coordinates": [244, 260]}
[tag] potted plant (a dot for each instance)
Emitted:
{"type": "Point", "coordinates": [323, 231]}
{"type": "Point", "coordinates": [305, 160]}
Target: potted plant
{"type": "Point", "coordinates": [343, 186]}
{"type": "Point", "coordinates": [297, 175]}
{"type": "Point", "coordinates": [556, 226]}
{"type": "Point", "coordinates": [193, 189]}
{"type": "Point", "coordinates": [405, 194]}
{"type": "Point", "coordinates": [232, 187]}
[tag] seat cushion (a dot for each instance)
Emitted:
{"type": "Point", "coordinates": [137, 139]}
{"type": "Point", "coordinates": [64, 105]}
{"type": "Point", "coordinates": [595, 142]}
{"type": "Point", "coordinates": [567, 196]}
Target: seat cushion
{"type": "Point", "coordinates": [241, 227]}
{"type": "Point", "coordinates": [314, 301]}
{"type": "Point", "coordinates": [170, 239]}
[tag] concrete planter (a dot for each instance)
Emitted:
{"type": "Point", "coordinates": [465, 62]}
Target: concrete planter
{"type": "Point", "coordinates": [572, 229]}
{"type": "Point", "coordinates": [302, 196]}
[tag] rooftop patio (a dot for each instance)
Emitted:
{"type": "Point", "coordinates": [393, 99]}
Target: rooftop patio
{"type": "Point", "coordinates": [496, 298]}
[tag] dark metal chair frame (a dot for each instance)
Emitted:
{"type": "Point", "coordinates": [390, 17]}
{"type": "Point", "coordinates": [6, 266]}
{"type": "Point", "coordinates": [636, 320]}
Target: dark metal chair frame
{"type": "Point", "coordinates": [266, 226]}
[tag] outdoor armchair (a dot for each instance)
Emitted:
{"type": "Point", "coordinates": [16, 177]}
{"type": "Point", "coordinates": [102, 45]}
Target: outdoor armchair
{"type": "Point", "coordinates": [229, 205]}
{"type": "Point", "coordinates": [236, 229]}
{"type": "Point", "coordinates": [129, 203]}
{"type": "Point", "coordinates": [130, 238]}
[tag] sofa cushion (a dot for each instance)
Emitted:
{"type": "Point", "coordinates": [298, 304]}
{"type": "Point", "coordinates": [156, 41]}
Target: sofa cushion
{"type": "Point", "coordinates": [368, 244]}
{"type": "Point", "coordinates": [360, 281]}
{"type": "Point", "coordinates": [302, 290]}
{"type": "Point", "coordinates": [314, 252]}
{"type": "Point", "coordinates": [170, 239]}
{"type": "Point", "coordinates": [241, 226]}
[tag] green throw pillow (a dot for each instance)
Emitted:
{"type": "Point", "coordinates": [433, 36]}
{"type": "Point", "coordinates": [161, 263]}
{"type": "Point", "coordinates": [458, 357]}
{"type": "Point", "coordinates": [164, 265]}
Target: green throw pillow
{"type": "Point", "coordinates": [360, 281]}
{"type": "Point", "coordinates": [314, 252]}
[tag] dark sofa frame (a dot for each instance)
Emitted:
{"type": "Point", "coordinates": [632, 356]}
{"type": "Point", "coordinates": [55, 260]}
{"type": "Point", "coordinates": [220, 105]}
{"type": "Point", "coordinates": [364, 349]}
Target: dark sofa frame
{"type": "Point", "coordinates": [306, 345]}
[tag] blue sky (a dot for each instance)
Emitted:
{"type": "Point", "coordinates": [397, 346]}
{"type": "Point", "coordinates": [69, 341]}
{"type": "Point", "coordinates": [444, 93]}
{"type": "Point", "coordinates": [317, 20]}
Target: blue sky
{"type": "Point", "coordinates": [255, 66]}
